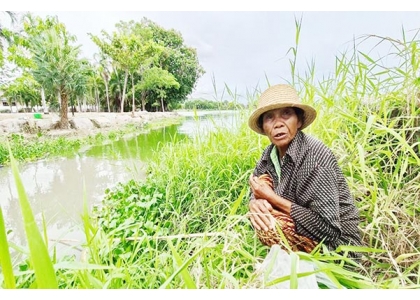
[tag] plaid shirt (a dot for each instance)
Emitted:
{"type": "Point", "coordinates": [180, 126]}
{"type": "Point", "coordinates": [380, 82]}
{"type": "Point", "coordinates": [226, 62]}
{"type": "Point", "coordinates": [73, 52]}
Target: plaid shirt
{"type": "Point", "coordinates": [322, 207]}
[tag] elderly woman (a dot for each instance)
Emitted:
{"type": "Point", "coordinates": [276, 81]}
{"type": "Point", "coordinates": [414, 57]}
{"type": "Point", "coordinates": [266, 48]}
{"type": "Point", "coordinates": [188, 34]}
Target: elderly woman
{"type": "Point", "coordinates": [297, 180]}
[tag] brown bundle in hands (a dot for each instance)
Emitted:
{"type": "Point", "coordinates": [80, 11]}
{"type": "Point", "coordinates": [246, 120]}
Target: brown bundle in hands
{"type": "Point", "coordinates": [296, 241]}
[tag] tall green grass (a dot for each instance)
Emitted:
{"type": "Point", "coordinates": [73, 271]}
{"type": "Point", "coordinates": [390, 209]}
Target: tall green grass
{"type": "Point", "coordinates": [369, 116]}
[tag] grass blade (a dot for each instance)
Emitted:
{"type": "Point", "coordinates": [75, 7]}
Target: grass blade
{"type": "Point", "coordinates": [189, 282]}
{"type": "Point", "coordinates": [238, 201]}
{"type": "Point", "coordinates": [294, 261]}
{"type": "Point", "coordinates": [43, 267]}
{"type": "Point", "coordinates": [184, 265]}
{"type": "Point", "coordinates": [5, 261]}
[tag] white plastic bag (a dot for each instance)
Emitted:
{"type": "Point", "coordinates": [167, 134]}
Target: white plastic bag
{"type": "Point", "coordinates": [278, 263]}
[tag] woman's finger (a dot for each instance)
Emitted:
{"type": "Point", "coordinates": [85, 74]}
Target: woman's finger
{"type": "Point", "coordinates": [268, 206]}
{"type": "Point", "coordinates": [260, 214]}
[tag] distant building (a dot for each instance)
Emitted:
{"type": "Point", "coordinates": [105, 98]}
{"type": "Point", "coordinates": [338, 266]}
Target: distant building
{"type": "Point", "coordinates": [5, 107]}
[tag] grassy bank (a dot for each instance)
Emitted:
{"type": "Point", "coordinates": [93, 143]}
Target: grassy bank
{"type": "Point", "coordinates": [186, 225]}
{"type": "Point", "coordinates": [40, 146]}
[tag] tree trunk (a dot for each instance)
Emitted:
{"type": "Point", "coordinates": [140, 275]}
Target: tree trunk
{"type": "Point", "coordinates": [163, 107]}
{"type": "Point", "coordinates": [84, 106]}
{"type": "Point", "coordinates": [79, 103]}
{"type": "Point", "coordinates": [64, 119]}
{"type": "Point", "coordinates": [97, 100]}
{"type": "Point", "coordinates": [59, 100]}
{"type": "Point", "coordinates": [44, 103]}
{"type": "Point", "coordinates": [107, 94]}
{"type": "Point", "coordinates": [143, 100]}
{"type": "Point", "coordinates": [123, 95]}
{"type": "Point", "coordinates": [134, 103]}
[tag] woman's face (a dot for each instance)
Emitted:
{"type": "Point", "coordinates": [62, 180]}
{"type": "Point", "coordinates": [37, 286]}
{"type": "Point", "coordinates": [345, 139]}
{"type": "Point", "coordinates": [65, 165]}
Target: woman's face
{"type": "Point", "coordinates": [281, 125]}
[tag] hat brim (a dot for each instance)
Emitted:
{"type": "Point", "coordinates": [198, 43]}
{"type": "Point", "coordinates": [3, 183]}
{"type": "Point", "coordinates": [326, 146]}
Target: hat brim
{"type": "Point", "coordinates": [308, 116]}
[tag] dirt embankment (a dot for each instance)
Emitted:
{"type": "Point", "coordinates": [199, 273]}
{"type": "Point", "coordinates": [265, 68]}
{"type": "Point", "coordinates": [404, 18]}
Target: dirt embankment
{"type": "Point", "coordinates": [81, 124]}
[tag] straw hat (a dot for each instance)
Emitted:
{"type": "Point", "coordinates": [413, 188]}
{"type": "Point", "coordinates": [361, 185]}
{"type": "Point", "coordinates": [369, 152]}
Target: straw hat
{"type": "Point", "coordinates": [279, 96]}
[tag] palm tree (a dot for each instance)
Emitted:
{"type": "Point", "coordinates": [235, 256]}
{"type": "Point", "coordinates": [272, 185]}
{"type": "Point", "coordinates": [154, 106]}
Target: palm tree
{"type": "Point", "coordinates": [4, 34]}
{"type": "Point", "coordinates": [115, 88]}
{"type": "Point", "coordinates": [57, 65]}
{"type": "Point", "coordinates": [78, 87]}
{"type": "Point", "coordinates": [103, 69]}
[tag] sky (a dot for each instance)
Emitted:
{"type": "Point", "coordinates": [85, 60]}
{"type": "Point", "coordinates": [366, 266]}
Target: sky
{"type": "Point", "coordinates": [243, 47]}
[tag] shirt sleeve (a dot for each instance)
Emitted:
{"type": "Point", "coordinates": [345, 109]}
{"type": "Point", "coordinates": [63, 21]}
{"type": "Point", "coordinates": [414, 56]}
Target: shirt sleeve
{"type": "Point", "coordinates": [320, 217]}
{"type": "Point", "coordinates": [258, 170]}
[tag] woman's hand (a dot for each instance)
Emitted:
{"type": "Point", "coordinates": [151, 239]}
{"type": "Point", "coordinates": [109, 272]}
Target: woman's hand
{"type": "Point", "coordinates": [260, 214]}
{"type": "Point", "coordinates": [261, 190]}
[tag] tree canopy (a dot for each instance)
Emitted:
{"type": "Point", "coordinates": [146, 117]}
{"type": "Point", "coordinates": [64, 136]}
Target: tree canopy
{"type": "Point", "coordinates": [46, 50]}
{"type": "Point", "coordinates": [136, 47]}
{"type": "Point", "coordinates": [139, 60]}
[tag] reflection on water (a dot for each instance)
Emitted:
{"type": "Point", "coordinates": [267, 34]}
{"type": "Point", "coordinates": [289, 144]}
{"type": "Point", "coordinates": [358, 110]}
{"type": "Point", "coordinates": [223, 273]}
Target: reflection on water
{"type": "Point", "coordinates": [57, 188]}
{"type": "Point", "coordinates": [141, 147]}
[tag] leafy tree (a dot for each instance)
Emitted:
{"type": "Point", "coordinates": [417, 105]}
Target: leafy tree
{"type": "Point", "coordinates": [158, 81]}
{"type": "Point", "coordinates": [105, 72]}
{"type": "Point", "coordinates": [115, 89]}
{"type": "Point", "coordinates": [178, 59]}
{"type": "Point", "coordinates": [136, 47]}
{"type": "Point", "coordinates": [78, 87]}
{"type": "Point", "coordinates": [116, 48]}
{"type": "Point", "coordinates": [130, 48]}
{"type": "Point", "coordinates": [96, 88]}
{"type": "Point", "coordinates": [23, 90]}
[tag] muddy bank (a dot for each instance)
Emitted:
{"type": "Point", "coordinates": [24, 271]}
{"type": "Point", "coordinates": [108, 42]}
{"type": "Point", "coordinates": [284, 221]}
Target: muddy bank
{"type": "Point", "coordinates": [81, 124]}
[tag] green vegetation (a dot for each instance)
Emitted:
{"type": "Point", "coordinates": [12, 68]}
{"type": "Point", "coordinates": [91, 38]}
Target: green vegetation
{"type": "Point", "coordinates": [40, 146]}
{"type": "Point", "coordinates": [203, 104]}
{"type": "Point", "coordinates": [185, 226]}
{"type": "Point", "coordinates": [37, 148]}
